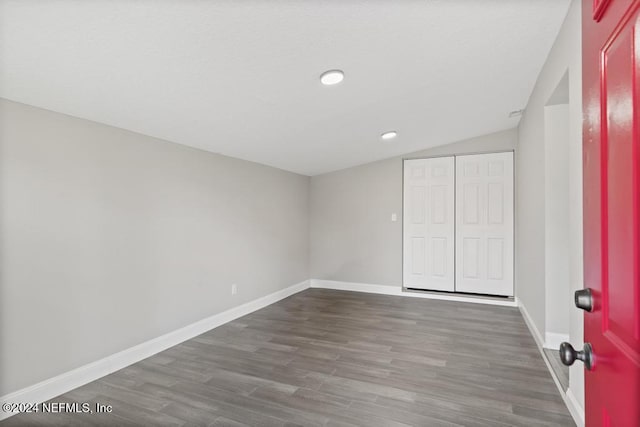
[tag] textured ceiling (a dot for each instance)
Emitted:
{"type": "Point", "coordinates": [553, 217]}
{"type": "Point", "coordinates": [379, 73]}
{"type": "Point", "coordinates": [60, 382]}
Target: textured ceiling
{"type": "Point", "coordinates": [240, 77]}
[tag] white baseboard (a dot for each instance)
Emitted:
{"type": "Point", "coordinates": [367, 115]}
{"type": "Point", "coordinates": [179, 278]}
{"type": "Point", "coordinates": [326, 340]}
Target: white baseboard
{"type": "Point", "coordinates": [68, 381]}
{"type": "Point", "coordinates": [553, 340]}
{"type": "Point", "coordinates": [575, 409]}
{"type": "Point", "coordinates": [537, 336]}
{"type": "Point", "coordinates": [397, 291]}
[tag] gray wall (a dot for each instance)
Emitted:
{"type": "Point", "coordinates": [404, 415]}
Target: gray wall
{"type": "Point", "coordinates": [352, 236]}
{"type": "Point", "coordinates": [565, 56]}
{"type": "Point", "coordinates": [557, 221]}
{"type": "Point", "coordinates": [110, 238]}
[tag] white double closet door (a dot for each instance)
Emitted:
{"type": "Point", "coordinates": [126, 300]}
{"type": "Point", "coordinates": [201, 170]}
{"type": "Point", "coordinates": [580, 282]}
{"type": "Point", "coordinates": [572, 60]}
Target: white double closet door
{"type": "Point", "coordinates": [458, 224]}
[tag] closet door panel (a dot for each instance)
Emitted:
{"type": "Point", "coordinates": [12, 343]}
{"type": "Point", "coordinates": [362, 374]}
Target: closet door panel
{"type": "Point", "coordinates": [484, 224]}
{"type": "Point", "coordinates": [428, 224]}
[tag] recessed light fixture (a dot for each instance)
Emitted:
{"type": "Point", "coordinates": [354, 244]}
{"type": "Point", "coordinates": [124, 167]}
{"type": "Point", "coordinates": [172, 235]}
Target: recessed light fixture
{"type": "Point", "coordinates": [516, 113]}
{"type": "Point", "coordinates": [332, 77]}
{"type": "Point", "coordinates": [389, 135]}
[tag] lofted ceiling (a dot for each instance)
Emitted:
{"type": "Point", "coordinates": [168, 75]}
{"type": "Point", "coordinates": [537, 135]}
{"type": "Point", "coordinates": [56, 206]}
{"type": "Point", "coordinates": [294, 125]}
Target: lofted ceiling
{"type": "Point", "coordinates": [241, 77]}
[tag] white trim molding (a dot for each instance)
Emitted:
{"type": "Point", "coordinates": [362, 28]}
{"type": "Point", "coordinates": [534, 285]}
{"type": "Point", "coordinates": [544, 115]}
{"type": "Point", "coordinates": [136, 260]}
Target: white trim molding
{"type": "Point", "coordinates": [570, 401]}
{"type": "Point", "coordinates": [575, 408]}
{"type": "Point", "coordinates": [398, 291]}
{"type": "Point", "coordinates": [553, 340]}
{"type": "Point", "coordinates": [537, 336]}
{"type": "Point", "coordinates": [78, 377]}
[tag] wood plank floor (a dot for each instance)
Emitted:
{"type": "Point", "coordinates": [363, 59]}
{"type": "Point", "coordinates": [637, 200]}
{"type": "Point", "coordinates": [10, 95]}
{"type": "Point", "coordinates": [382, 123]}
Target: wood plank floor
{"type": "Point", "coordinates": [562, 371]}
{"type": "Point", "coordinates": [335, 358]}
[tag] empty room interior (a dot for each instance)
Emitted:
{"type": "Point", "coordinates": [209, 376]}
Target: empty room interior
{"type": "Point", "coordinates": [319, 213]}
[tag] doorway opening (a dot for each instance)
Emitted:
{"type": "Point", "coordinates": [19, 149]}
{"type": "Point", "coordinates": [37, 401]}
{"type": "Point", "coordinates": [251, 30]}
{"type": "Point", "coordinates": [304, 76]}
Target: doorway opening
{"type": "Point", "coordinates": [557, 226]}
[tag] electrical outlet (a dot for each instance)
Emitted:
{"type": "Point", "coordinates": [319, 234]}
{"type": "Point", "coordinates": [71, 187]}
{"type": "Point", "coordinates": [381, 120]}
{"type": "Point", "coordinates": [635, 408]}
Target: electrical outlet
{"type": "Point", "coordinates": [234, 289]}
{"type": "Point", "coordinates": [394, 217]}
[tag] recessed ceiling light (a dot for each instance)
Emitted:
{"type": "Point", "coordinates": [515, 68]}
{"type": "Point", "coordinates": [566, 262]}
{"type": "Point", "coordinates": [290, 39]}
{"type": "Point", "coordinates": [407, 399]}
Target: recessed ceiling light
{"type": "Point", "coordinates": [389, 135]}
{"type": "Point", "coordinates": [332, 77]}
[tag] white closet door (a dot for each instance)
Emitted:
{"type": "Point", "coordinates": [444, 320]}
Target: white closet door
{"type": "Point", "coordinates": [484, 223]}
{"type": "Point", "coordinates": [428, 224]}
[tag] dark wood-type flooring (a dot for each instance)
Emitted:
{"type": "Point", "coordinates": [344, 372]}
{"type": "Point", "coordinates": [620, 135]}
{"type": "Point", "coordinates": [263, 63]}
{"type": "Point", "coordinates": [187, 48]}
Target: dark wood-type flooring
{"type": "Point", "coordinates": [335, 358]}
{"type": "Point", "coordinates": [561, 371]}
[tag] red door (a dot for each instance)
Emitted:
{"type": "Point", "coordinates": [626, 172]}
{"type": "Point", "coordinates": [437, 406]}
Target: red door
{"type": "Point", "coordinates": [611, 159]}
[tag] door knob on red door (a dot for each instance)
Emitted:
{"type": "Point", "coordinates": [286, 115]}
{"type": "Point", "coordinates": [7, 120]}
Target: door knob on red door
{"type": "Point", "coordinates": [568, 355]}
{"type": "Point", "coordinates": [583, 299]}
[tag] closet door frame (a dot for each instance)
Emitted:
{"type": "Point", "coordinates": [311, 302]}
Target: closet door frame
{"type": "Point", "coordinates": [402, 216]}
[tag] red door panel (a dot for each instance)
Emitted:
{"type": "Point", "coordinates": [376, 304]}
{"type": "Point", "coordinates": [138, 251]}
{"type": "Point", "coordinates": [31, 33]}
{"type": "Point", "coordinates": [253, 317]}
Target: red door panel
{"type": "Point", "coordinates": [599, 7]}
{"type": "Point", "coordinates": [611, 154]}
